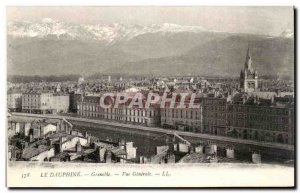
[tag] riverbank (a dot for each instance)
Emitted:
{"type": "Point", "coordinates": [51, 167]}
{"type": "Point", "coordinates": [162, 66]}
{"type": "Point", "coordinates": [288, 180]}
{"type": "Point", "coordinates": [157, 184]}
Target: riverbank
{"type": "Point", "coordinates": [167, 131]}
{"type": "Point", "coordinates": [147, 138]}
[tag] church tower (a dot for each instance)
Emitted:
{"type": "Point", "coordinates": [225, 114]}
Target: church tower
{"type": "Point", "coordinates": [248, 62]}
{"type": "Point", "coordinates": [248, 76]}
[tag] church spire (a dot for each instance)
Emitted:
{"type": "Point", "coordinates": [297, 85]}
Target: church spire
{"type": "Point", "coordinates": [241, 74]}
{"type": "Point", "coordinates": [248, 77]}
{"type": "Point", "coordinates": [248, 60]}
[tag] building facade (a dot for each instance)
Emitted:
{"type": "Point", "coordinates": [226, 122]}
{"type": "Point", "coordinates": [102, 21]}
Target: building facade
{"type": "Point", "coordinates": [61, 102]}
{"type": "Point", "coordinates": [37, 102]}
{"type": "Point", "coordinates": [90, 107]}
{"type": "Point", "coordinates": [14, 101]}
{"type": "Point", "coordinates": [250, 120]}
{"type": "Point", "coordinates": [74, 99]}
{"type": "Point", "coordinates": [261, 123]}
{"type": "Point", "coordinates": [185, 119]}
{"type": "Point", "coordinates": [45, 102]}
{"type": "Point", "coordinates": [214, 115]}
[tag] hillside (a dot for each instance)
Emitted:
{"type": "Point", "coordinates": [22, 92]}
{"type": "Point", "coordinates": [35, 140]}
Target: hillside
{"type": "Point", "coordinates": [55, 48]}
{"type": "Point", "coordinates": [271, 56]}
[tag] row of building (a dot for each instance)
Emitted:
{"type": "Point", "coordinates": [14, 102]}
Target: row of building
{"type": "Point", "coordinates": [247, 113]}
{"type": "Point", "coordinates": [39, 101]}
{"type": "Point", "coordinates": [242, 116]}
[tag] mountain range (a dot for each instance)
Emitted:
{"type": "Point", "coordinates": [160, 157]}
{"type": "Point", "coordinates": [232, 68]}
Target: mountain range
{"type": "Point", "coordinates": [52, 47]}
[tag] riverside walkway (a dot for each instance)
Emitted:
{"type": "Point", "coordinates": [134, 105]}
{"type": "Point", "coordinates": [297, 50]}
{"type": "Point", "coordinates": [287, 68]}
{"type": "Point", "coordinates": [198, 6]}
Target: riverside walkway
{"type": "Point", "coordinates": [161, 130]}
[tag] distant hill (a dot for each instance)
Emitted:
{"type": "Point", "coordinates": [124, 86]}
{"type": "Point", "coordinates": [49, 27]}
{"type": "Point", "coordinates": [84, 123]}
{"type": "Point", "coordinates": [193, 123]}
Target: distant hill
{"type": "Point", "coordinates": [31, 56]}
{"type": "Point", "coordinates": [156, 50]}
{"type": "Point", "coordinates": [224, 56]}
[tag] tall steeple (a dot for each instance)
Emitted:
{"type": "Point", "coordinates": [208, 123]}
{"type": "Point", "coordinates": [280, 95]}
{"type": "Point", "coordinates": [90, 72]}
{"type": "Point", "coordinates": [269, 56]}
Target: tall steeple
{"type": "Point", "coordinates": [248, 60]}
{"type": "Point", "coordinates": [248, 76]}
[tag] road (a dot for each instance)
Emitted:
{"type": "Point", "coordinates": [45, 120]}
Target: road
{"type": "Point", "coordinates": [166, 131]}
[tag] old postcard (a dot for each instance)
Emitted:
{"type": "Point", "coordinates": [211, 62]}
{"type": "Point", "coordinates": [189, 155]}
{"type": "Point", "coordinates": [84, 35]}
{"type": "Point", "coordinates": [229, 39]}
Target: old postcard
{"type": "Point", "coordinates": [150, 97]}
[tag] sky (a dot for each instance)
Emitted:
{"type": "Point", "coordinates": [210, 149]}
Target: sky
{"type": "Point", "coordinates": [255, 20]}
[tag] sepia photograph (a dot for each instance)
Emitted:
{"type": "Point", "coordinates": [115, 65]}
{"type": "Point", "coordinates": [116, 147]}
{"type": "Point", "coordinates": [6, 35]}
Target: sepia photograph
{"type": "Point", "coordinates": [150, 96]}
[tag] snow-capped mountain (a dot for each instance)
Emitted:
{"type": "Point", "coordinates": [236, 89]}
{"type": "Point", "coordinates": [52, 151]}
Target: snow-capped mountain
{"type": "Point", "coordinates": [158, 49]}
{"type": "Point", "coordinates": [287, 33]}
{"type": "Point", "coordinates": [102, 32]}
